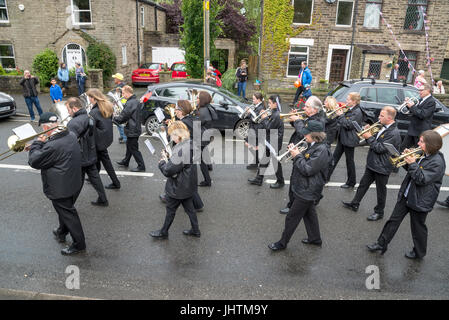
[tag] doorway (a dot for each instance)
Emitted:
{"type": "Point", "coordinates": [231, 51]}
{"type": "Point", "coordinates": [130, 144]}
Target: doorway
{"type": "Point", "coordinates": [338, 65]}
{"type": "Point", "coordinates": [73, 53]}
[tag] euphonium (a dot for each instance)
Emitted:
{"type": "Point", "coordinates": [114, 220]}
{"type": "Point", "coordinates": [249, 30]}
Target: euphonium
{"type": "Point", "coordinates": [399, 161]}
{"type": "Point", "coordinates": [403, 107]}
{"type": "Point", "coordinates": [301, 145]}
{"type": "Point", "coordinates": [373, 129]}
{"type": "Point", "coordinates": [170, 109]}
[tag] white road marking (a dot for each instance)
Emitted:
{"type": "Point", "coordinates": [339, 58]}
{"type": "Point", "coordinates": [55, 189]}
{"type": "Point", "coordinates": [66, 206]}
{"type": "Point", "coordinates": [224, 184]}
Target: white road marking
{"type": "Point", "coordinates": [119, 173]}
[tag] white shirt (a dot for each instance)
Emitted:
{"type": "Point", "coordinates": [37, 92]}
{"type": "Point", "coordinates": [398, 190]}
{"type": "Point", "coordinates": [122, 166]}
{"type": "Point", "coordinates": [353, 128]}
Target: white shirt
{"type": "Point", "coordinates": [383, 129]}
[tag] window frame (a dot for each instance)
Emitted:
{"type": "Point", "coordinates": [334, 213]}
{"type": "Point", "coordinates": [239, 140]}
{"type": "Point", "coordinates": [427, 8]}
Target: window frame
{"type": "Point", "coordinates": [416, 5]}
{"type": "Point", "coordinates": [9, 57]}
{"type": "Point", "coordinates": [81, 23]}
{"type": "Point", "coordinates": [352, 14]}
{"type": "Point", "coordinates": [375, 2]}
{"type": "Point", "coordinates": [296, 53]}
{"type": "Point", "coordinates": [142, 17]}
{"type": "Point", "coordinates": [7, 14]}
{"type": "Point", "coordinates": [311, 15]}
{"type": "Point", "coordinates": [124, 55]}
{"type": "Point", "coordinates": [375, 62]}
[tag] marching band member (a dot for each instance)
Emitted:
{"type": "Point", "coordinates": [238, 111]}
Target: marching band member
{"type": "Point", "coordinates": [58, 156]}
{"type": "Point", "coordinates": [347, 138]}
{"type": "Point", "coordinates": [308, 179]}
{"type": "Point", "coordinates": [417, 195]}
{"type": "Point", "coordinates": [253, 127]}
{"type": "Point", "coordinates": [378, 165]}
{"type": "Point", "coordinates": [330, 104]}
{"type": "Point", "coordinates": [204, 113]}
{"type": "Point", "coordinates": [181, 173]}
{"type": "Point", "coordinates": [313, 110]}
{"type": "Point", "coordinates": [421, 116]}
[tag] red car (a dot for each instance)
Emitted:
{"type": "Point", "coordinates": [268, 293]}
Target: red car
{"type": "Point", "coordinates": [147, 73]}
{"type": "Point", "coordinates": [179, 70]}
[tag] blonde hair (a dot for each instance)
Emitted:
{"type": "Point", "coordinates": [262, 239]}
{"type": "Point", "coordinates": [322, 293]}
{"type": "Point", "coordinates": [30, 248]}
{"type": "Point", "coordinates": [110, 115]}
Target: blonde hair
{"type": "Point", "coordinates": [179, 129]}
{"type": "Point", "coordinates": [355, 97]}
{"type": "Point", "coordinates": [128, 89]}
{"type": "Point", "coordinates": [103, 103]}
{"type": "Point", "coordinates": [331, 102]}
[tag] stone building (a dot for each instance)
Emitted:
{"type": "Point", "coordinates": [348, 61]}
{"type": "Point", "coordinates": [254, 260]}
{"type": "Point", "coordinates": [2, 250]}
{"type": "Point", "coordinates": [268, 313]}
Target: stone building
{"type": "Point", "coordinates": [350, 41]}
{"type": "Point", "coordinates": [29, 26]}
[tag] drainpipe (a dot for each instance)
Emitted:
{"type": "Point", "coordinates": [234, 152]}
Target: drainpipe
{"type": "Point", "coordinates": [260, 42]}
{"type": "Point", "coordinates": [137, 31]}
{"type": "Point", "coordinates": [354, 19]}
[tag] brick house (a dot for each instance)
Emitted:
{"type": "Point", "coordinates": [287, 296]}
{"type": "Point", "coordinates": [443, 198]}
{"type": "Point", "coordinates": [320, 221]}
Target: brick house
{"type": "Point", "coordinates": [29, 26]}
{"type": "Point", "coordinates": [350, 40]}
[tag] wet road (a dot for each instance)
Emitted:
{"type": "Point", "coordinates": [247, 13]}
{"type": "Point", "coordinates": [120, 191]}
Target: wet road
{"type": "Point", "coordinates": [230, 260]}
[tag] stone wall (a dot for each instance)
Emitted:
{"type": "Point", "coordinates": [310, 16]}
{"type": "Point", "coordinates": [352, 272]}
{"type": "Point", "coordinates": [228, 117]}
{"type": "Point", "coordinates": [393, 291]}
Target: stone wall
{"type": "Point", "coordinates": [11, 84]}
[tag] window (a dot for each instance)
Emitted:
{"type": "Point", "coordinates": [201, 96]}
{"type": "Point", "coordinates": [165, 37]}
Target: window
{"type": "Point", "coordinates": [180, 93]}
{"type": "Point", "coordinates": [374, 69]}
{"type": "Point", "coordinates": [142, 17]}
{"type": "Point", "coordinates": [179, 67]}
{"type": "Point", "coordinates": [296, 55]}
{"type": "Point", "coordinates": [368, 94]}
{"type": "Point", "coordinates": [302, 11]}
{"type": "Point", "coordinates": [81, 13]}
{"type": "Point", "coordinates": [124, 58]}
{"type": "Point", "coordinates": [372, 14]}
{"type": "Point", "coordinates": [344, 13]}
{"type": "Point", "coordinates": [388, 96]}
{"type": "Point", "coordinates": [414, 18]}
{"type": "Point", "coordinates": [7, 59]}
{"type": "Point", "coordinates": [445, 69]}
{"type": "Point", "coordinates": [3, 11]}
{"type": "Point", "coordinates": [404, 71]}
{"type": "Point", "coordinates": [411, 94]}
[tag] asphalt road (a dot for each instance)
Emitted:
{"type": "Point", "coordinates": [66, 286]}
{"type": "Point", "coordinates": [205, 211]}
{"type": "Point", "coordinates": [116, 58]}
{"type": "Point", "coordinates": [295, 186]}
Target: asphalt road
{"type": "Point", "coordinates": [230, 260]}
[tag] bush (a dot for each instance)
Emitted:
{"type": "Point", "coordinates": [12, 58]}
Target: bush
{"type": "Point", "coordinates": [2, 71]}
{"type": "Point", "coordinates": [228, 80]}
{"type": "Point", "coordinates": [100, 56]}
{"type": "Point", "coordinates": [45, 65]}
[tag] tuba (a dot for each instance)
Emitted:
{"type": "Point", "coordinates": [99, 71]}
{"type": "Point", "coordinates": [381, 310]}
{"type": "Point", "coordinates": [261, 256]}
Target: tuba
{"type": "Point", "coordinates": [399, 161]}
{"type": "Point", "coordinates": [170, 110]}
{"type": "Point", "coordinates": [301, 145]}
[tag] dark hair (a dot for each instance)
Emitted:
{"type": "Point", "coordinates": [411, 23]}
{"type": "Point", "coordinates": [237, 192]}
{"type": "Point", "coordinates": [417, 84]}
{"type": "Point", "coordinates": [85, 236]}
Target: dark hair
{"type": "Point", "coordinates": [74, 103]}
{"type": "Point", "coordinates": [63, 63]}
{"type": "Point", "coordinates": [53, 79]}
{"type": "Point", "coordinates": [318, 136]}
{"type": "Point", "coordinates": [433, 141]}
{"type": "Point", "coordinates": [258, 96]}
{"type": "Point", "coordinates": [205, 98]}
{"type": "Point", "coordinates": [185, 107]}
{"type": "Point", "coordinates": [273, 98]}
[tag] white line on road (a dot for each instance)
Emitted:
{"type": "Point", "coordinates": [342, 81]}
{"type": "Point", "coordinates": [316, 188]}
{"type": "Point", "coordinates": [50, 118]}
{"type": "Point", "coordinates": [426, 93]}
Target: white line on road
{"type": "Point", "coordinates": [119, 173]}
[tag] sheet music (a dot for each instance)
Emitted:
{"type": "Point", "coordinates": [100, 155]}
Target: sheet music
{"type": "Point", "coordinates": [24, 131]}
{"type": "Point", "coordinates": [149, 146]}
{"type": "Point", "coordinates": [159, 114]}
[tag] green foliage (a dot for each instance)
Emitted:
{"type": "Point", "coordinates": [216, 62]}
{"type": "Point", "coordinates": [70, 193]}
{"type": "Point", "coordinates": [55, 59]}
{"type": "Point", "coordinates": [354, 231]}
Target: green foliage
{"type": "Point", "coordinates": [228, 80]}
{"type": "Point", "coordinates": [45, 65]}
{"type": "Point", "coordinates": [192, 34]}
{"type": "Point", "coordinates": [100, 56]}
{"type": "Point", "coordinates": [2, 71]}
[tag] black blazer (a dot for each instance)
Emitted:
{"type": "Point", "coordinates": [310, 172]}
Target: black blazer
{"type": "Point", "coordinates": [83, 128]}
{"type": "Point", "coordinates": [253, 127]}
{"type": "Point", "coordinates": [131, 116]}
{"type": "Point", "coordinates": [421, 117]}
{"type": "Point", "coordinates": [59, 160]}
{"type": "Point", "coordinates": [347, 133]}
{"type": "Point", "coordinates": [301, 124]}
{"type": "Point", "coordinates": [103, 129]}
{"type": "Point", "coordinates": [274, 122]}
{"type": "Point", "coordinates": [392, 77]}
{"type": "Point", "coordinates": [378, 159]}
{"type": "Point", "coordinates": [426, 179]}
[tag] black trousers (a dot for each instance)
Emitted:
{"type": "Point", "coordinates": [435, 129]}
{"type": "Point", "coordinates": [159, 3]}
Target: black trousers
{"type": "Point", "coordinates": [408, 142]}
{"type": "Point", "coordinates": [172, 206]}
{"type": "Point", "coordinates": [132, 149]}
{"type": "Point", "coordinates": [263, 166]}
{"type": "Point", "coordinates": [69, 221]}
{"type": "Point", "coordinates": [95, 181]}
{"type": "Point", "coordinates": [204, 167]}
{"type": "Point", "coordinates": [350, 164]}
{"type": "Point", "coordinates": [103, 158]}
{"type": "Point", "coordinates": [299, 210]}
{"type": "Point", "coordinates": [417, 225]}
{"type": "Point", "coordinates": [381, 187]}
{"type": "Point", "coordinates": [297, 94]}
{"type": "Point", "coordinates": [197, 202]}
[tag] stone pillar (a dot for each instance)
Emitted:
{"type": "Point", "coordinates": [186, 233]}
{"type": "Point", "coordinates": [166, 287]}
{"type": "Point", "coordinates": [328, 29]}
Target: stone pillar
{"type": "Point", "coordinates": [95, 79]}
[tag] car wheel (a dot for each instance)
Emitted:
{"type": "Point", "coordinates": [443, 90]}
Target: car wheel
{"type": "Point", "coordinates": [241, 129]}
{"type": "Point", "coordinates": [152, 125]}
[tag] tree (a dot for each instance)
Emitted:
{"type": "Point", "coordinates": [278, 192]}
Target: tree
{"type": "Point", "coordinates": [174, 17]}
{"type": "Point", "coordinates": [45, 64]}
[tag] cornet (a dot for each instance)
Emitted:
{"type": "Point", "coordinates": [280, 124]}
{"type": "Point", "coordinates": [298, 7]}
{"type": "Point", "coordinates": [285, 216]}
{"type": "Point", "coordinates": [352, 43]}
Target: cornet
{"type": "Point", "coordinates": [403, 107]}
{"type": "Point", "coordinates": [285, 116]}
{"type": "Point", "coordinates": [247, 111]}
{"type": "Point", "coordinates": [373, 129]}
{"type": "Point", "coordinates": [399, 161]}
{"type": "Point", "coordinates": [301, 145]}
{"type": "Point", "coordinates": [333, 114]}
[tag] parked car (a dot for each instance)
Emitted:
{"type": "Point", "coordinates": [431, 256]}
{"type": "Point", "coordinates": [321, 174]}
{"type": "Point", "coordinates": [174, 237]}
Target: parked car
{"type": "Point", "coordinates": [179, 70]}
{"type": "Point", "coordinates": [147, 73]}
{"type": "Point", "coordinates": [225, 103]}
{"type": "Point", "coordinates": [7, 105]}
{"type": "Point", "coordinates": [377, 94]}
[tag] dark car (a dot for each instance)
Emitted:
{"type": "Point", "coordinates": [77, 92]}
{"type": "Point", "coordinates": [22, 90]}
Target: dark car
{"type": "Point", "coordinates": [225, 103]}
{"type": "Point", "coordinates": [377, 94]}
{"type": "Point", "coordinates": [7, 105]}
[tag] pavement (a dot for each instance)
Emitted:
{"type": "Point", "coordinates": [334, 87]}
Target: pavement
{"type": "Point", "coordinates": [230, 260]}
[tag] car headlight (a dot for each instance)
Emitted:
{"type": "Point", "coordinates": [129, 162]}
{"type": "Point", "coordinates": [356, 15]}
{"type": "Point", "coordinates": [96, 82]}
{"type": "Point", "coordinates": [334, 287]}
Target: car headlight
{"type": "Point", "coordinates": [8, 96]}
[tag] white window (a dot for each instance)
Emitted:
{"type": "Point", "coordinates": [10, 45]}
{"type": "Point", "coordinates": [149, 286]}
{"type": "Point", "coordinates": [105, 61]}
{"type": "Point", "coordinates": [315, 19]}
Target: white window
{"type": "Point", "coordinates": [296, 55]}
{"type": "Point", "coordinates": [3, 12]}
{"type": "Point", "coordinates": [7, 60]}
{"type": "Point", "coordinates": [372, 14]}
{"type": "Point", "coordinates": [302, 11]}
{"type": "Point", "coordinates": [345, 9]}
{"type": "Point", "coordinates": [81, 12]}
{"type": "Point", "coordinates": [124, 59]}
{"type": "Point", "coordinates": [142, 17]}
{"type": "Point", "coordinates": [414, 16]}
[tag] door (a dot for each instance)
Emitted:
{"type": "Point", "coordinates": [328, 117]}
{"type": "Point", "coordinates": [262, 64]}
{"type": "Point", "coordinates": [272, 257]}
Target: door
{"type": "Point", "coordinates": [338, 65]}
{"type": "Point", "coordinates": [73, 54]}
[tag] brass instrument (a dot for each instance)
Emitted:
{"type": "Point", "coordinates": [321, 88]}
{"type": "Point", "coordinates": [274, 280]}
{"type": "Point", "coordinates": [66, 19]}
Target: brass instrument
{"type": "Point", "coordinates": [170, 109]}
{"type": "Point", "coordinates": [195, 96]}
{"type": "Point", "coordinates": [259, 119]}
{"type": "Point", "coordinates": [399, 161]}
{"type": "Point", "coordinates": [403, 107]}
{"type": "Point", "coordinates": [301, 145]}
{"type": "Point", "coordinates": [117, 103]}
{"type": "Point", "coordinates": [162, 135]}
{"type": "Point", "coordinates": [373, 129]}
{"type": "Point", "coordinates": [333, 114]}
{"type": "Point", "coordinates": [247, 111]}
{"type": "Point", "coordinates": [285, 116]}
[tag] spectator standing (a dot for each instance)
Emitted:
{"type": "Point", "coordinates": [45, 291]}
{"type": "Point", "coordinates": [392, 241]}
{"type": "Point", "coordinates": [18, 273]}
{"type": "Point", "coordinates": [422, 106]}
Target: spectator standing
{"type": "Point", "coordinates": [420, 81]}
{"type": "Point", "coordinates": [30, 94]}
{"type": "Point", "coordinates": [394, 75]}
{"type": "Point", "coordinates": [439, 88]}
{"type": "Point", "coordinates": [63, 76]}
{"type": "Point", "coordinates": [305, 79]}
{"type": "Point", "coordinates": [242, 78]}
{"type": "Point", "coordinates": [118, 81]}
{"type": "Point", "coordinates": [80, 78]}
{"type": "Point", "coordinates": [55, 91]}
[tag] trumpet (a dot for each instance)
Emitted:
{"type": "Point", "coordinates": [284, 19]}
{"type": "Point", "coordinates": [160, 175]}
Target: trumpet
{"type": "Point", "coordinates": [258, 119]}
{"type": "Point", "coordinates": [301, 145]}
{"type": "Point", "coordinates": [399, 161]}
{"type": "Point", "coordinates": [403, 107]}
{"type": "Point", "coordinates": [285, 116]}
{"type": "Point", "coordinates": [333, 114]}
{"type": "Point", "coordinates": [373, 129]}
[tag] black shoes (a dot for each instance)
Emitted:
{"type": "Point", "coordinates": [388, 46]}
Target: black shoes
{"type": "Point", "coordinates": [350, 205]}
{"type": "Point", "coordinates": [277, 185]}
{"type": "Point", "coordinates": [112, 186]}
{"type": "Point", "coordinates": [100, 203]}
{"type": "Point", "coordinates": [443, 203]}
{"type": "Point", "coordinates": [256, 181]}
{"type": "Point", "coordinates": [412, 255]}
{"type": "Point", "coordinates": [209, 167]}
{"type": "Point", "coordinates": [71, 250]}
{"type": "Point", "coordinates": [123, 164]}
{"type": "Point", "coordinates": [162, 197]}
{"type": "Point", "coordinates": [375, 216]}
{"type": "Point", "coordinates": [252, 166]}
{"type": "Point", "coordinates": [159, 235]}
{"type": "Point", "coordinates": [200, 209]}
{"type": "Point", "coordinates": [346, 186]}
{"type": "Point", "coordinates": [316, 243]}
{"type": "Point", "coordinates": [285, 210]}
{"type": "Point", "coordinates": [192, 233]}
{"type": "Point", "coordinates": [275, 246]}
{"type": "Point", "coordinates": [59, 236]}
{"type": "Point", "coordinates": [376, 247]}
{"type": "Point", "coordinates": [205, 184]}
{"type": "Point", "coordinates": [138, 169]}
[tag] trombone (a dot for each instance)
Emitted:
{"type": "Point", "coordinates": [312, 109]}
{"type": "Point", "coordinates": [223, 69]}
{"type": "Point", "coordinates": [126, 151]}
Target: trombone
{"type": "Point", "coordinates": [285, 116]}
{"type": "Point", "coordinates": [399, 161]}
{"type": "Point", "coordinates": [403, 107]}
{"type": "Point", "coordinates": [301, 145]}
{"type": "Point", "coordinates": [373, 129]}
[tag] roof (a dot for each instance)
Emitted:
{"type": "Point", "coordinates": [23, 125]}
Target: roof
{"type": "Point", "coordinates": [375, 48]}
{"type": "Point", "coordinates": [151, 3]}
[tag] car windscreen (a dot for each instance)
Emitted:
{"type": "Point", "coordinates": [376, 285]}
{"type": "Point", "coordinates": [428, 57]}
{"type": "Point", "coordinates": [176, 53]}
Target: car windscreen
{"type": "Point", "coordinates": [340, 92]}
{"type": "Point", "coordinates": [152, 66]}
